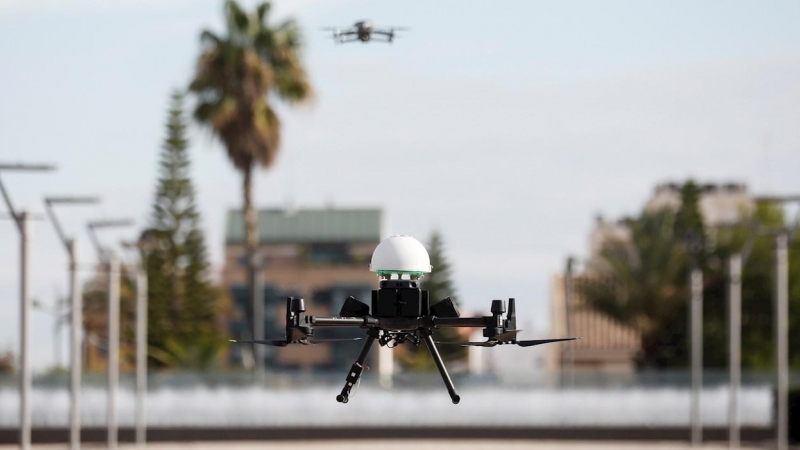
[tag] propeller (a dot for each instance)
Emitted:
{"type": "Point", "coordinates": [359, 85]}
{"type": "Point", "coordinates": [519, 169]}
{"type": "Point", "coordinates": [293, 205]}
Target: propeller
{"type": "Point", "coordinates": [533, 342]}
{"type": "Point", "coordinates": [494, 341]}
{"type": "Point", "coordinates": [275, 343]}
{"type": "Point", "coordinates": [284, 342]}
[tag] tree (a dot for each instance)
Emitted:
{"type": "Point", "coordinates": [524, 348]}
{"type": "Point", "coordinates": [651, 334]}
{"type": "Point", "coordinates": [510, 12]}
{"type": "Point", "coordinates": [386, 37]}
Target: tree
{"type": "Point", "coordinates": [439, 285]}
{"type": "Point", "coordinates": [637, 282]}
{"type": "Point", "coordinates": [6, 362]}
{"type": "Point", "coordinates": [182, 304]}
{"type": "Point", "coordinates": [236, 75]}
{"type": "Point", "coordinates": [642, 282]}
{"type": "Point", "coordinates": [95, 319]}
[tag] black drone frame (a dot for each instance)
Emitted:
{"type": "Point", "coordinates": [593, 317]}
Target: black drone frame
{"type": "Point", "coordinates": [401, 313]}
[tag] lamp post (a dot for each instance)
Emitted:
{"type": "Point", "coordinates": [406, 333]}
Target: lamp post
{"type": "Point", "coordinates": [76, 312]}
{"type": "Point", "coordinates": [696, 323]}
{"type": "Point", "coordinates": [569, 302]}
{"type": "Point", "coordinates": [112, 266]}
{"type": "Point", "coordinates": [735, 336]}
{"type": "Point", "coordinates": [21, 221]}
{"type": "Point", "coordinates": [144, 245]}
{"type": "Point", "coordinates": [782, 235]}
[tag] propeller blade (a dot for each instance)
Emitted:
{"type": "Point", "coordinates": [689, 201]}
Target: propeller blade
{"type": "Point", "coordinates": [533, 342]}
{"type": "Point", "coordinates": [276, 343]}
{"type": "Point", "coordinates": [314, 341]}
{"type": "Point", "coordinates": [470, 344]}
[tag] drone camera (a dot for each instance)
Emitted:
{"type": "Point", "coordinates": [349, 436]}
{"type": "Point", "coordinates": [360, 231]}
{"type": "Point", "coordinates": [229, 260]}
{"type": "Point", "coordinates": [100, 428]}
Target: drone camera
{"type": "Point", "coordinates": [400, 298]}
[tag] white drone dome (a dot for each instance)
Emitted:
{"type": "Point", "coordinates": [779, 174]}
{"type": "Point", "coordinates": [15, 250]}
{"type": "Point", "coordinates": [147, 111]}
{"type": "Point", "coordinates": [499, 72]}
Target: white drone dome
{"type": "Point", "coordinates": [400, 255]}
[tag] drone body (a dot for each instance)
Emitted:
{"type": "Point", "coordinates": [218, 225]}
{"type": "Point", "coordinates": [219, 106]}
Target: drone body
{"type": "Point", "coordinates": [400, 312]}
{"type": "Point", "coordinates": [363, 31]}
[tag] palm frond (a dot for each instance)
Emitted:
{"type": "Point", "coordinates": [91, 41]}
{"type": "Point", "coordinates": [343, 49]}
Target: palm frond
{"type": "Point", "coordinates": [208, 38]}
{"type": "Point", "coordinates": [262, 12]}
{"type": "Point", "coordinates": [237, 20]}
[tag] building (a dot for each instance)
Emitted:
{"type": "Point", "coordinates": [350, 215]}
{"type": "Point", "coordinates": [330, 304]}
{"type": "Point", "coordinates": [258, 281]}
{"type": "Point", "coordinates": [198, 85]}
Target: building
{"type": "Point", "coordinates": [320, 255]}
{"type": "Point", "coordinates": [606, 345]}
{"type": "Point", "coordinates": [720, 204]}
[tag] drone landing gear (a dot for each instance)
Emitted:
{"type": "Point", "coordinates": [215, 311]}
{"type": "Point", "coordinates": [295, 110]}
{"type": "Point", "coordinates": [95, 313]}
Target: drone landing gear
{"type": "Point", "coordinates": [355, 371]}
{"type": "Point", "coordinates": [440, 365]}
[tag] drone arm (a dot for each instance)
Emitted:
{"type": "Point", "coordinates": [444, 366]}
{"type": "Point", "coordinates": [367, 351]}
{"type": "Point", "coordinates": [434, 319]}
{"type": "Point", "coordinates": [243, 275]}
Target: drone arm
{"type": "Point", "coordinates": [343, 321]}
{"type": "Point", "coordinates": [460, 322]}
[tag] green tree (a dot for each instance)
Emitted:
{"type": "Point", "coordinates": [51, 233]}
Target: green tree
{"type": "Point", "coordinates": [439, 285]}
{"type": "Point", "coordinates": [237, 75]}
{"type": "Point", "coordinates": [643, 282]}
{"type": "Point", "coordinates": [95, 319]}
{"type": "Point", "coordinates": [6, 362]}
{"type": "Point", "coordinates": [637, 282]}
{"type": "Point", "coordinates": [183, 304]}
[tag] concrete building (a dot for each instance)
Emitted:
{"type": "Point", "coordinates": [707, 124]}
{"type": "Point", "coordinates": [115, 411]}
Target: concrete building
{"type": "Point", "coordinates": [320, 255]}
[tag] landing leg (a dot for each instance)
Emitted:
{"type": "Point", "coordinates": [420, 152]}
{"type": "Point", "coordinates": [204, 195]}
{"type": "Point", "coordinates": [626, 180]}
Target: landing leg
{"type": "Point", "coordinates": [440, 364]}
{"type": "Point", "coordinates": [357, 368]}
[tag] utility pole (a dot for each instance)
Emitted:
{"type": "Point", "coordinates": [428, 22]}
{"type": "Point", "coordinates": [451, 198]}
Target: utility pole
{"type": "Point", "coordinates": [75, 314]}
{"type": "Point", "coordinates": [21, 220]}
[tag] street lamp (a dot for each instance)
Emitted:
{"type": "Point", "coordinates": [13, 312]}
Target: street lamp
{"type": "Point", "coordinates": [76, 307]}
{"type": "Point", "coordinates": [21, 219]}
{"type": "Point", "coordinates": [146, 243]}
{"type": "Point", "coordinates": [113, 271]}
{"type": "Point", "coordinates": [781, 294]}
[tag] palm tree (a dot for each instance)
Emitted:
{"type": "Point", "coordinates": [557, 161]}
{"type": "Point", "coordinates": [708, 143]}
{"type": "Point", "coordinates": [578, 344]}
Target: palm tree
{"type": "Point", "coordinates": [640, 281]}
{"type": "Point", "coordinates": [237, 75]}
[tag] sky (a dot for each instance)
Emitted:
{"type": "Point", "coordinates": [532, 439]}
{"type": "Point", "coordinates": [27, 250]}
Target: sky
{"type": "Point", "coordinates": [508, 126]}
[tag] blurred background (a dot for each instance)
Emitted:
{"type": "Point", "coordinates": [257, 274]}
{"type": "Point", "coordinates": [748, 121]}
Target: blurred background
{"type": "Point", "coordinates": [602, 162]}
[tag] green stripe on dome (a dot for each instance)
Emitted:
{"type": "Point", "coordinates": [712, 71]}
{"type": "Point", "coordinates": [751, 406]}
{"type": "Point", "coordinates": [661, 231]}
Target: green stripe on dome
{"type": "Point", "coordinates": [399, 272]}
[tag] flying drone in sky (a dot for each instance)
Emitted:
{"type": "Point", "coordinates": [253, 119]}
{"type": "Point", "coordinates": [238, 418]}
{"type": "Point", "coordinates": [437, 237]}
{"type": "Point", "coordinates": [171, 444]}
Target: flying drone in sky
{"type": "Point", "coordinates": [364, 31]}
{"type": "Point", "coordinates": [400, 312]}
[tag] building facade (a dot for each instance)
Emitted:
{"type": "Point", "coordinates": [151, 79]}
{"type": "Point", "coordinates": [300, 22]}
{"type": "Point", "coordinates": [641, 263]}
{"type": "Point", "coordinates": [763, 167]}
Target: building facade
{"type": "Point", "coordinates": [320, 255]}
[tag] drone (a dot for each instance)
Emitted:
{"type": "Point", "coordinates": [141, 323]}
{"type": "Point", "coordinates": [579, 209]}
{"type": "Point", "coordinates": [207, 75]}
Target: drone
{"type": "Point", "coordinates": [400, 312]}
{"type": "Point", "coordinates": [363, 31]}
